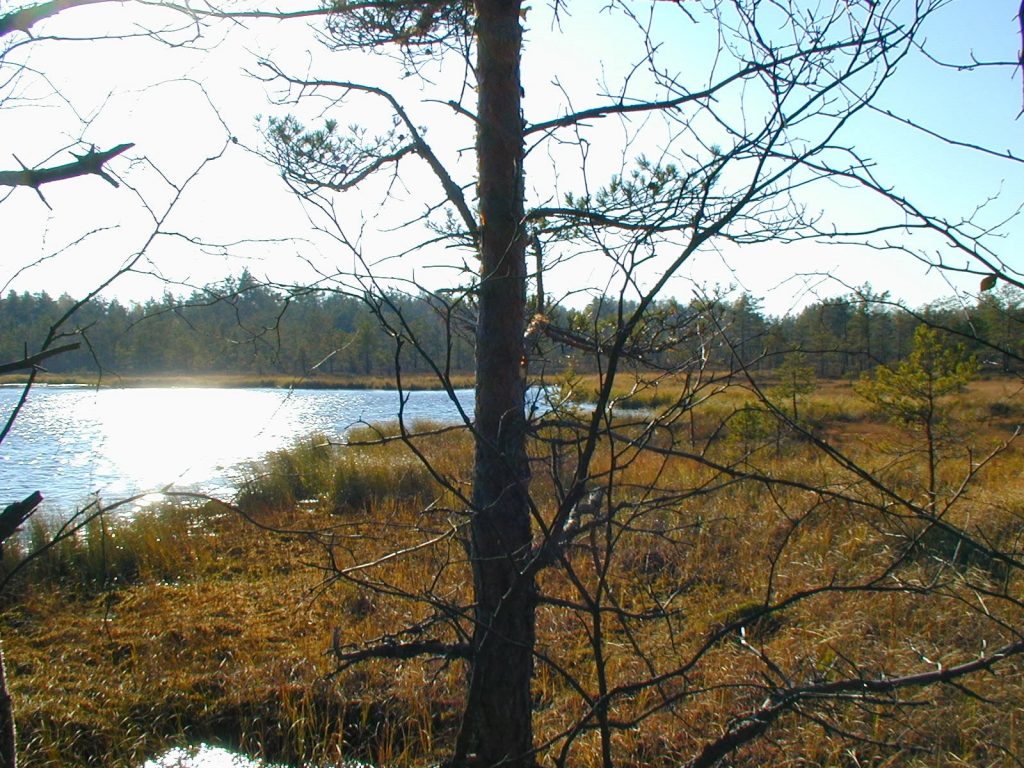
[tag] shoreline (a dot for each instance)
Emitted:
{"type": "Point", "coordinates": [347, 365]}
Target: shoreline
{"type": "Point", "coordinates": [418, 382]}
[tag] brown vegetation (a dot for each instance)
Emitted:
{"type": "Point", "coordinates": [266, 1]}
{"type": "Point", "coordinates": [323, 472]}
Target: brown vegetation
{"type": "Point", "coordinates": [202, 622]}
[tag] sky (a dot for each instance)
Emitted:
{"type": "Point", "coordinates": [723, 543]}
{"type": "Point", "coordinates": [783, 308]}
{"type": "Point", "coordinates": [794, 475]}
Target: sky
{"type": "Point", "coordinates": [191, 110]}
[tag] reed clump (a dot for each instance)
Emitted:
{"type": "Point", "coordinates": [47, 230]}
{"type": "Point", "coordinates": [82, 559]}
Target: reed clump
{"type": "Point", "coordinates": [93, 549]}
{"type": "Point", "coordinates": [373, 467]}
{"type": "Point", "coordinates": [286, 477]}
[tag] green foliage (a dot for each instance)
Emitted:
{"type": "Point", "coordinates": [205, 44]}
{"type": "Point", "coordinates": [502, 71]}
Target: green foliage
{"type": "Point", "coordinates": [653, 193]}
{"type": "Point", "coordinates": [796, 380]}
{"type": "Point", "coordinates": [909, 394]}
{"type": "Point", "coordinates": [750, 425]}
{"type": "Point", "coordinates": [241, 326]}
{"type": "Point", "coordinates": [417, 27]}
{"type": "Point", "coordinates": [915, 395]}
{"type": "Point", "coordinates": [331, 158]}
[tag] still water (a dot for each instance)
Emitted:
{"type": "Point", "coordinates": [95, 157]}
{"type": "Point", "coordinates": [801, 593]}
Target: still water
{"type": "Point", "coordinates": [205, 756]}
{"type": "Point", "coordinates": [72, 443]}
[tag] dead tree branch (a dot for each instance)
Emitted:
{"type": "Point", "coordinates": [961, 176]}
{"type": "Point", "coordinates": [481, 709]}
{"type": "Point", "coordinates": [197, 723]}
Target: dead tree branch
{"type": "Point", "coordinates": [32, 361]}
{"type": "Point", "coordinates": [411, 650]}
{"type": "Point", "coordinates": [15, 514]}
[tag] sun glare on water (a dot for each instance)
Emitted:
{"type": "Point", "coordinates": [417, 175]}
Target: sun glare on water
{"type": "Point", "coordinates": [202, 757]}
{"type": "Point", "coordinates": [205, 756]}
{"type": "Point", "coordinates": [187, 432]}
{"type": "Point", "coordinates": [78, 443]}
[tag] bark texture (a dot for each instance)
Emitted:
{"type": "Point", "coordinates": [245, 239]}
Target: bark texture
{"type": "Point", "coordinates": [497, 728]}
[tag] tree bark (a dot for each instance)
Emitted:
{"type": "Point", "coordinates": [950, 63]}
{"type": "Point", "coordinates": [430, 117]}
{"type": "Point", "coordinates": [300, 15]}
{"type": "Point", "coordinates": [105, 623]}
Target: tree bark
{"type": "Point", "coordinates": [496, 727]}
{"type": "Point", "coordinates": [15, 514]}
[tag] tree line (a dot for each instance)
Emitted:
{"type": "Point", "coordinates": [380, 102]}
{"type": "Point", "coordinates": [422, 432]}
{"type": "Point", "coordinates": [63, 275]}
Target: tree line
{"type": "Point", "coordinates": [243, 326]}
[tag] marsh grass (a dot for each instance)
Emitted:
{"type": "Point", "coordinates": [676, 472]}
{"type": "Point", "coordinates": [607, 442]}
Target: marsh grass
{"type": "Point", "coordinates": [363, 482]}
{"type": "Point", "coordinates": [162, 542]}
{"type": "Point", "coordinates": [286, 477]}
{"type": "Point", "coordinates": [373, 468]}
{"type": "Point", "coordinates": [110, 666]}
{"type": "Point", "coordinates": [188, 624]}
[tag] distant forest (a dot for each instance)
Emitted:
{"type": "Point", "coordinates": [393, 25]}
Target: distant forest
{"type": "Point", "coordinates": [242, 326]}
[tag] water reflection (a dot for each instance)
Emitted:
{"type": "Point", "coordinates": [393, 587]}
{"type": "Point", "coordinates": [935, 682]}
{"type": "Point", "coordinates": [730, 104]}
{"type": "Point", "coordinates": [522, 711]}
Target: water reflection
{"type": "Point", "coordinates": [205, 756]}
{"type": "Point", "coordinates": [202, 756]}
{"type": "Point", "coordinates": [73, 442]}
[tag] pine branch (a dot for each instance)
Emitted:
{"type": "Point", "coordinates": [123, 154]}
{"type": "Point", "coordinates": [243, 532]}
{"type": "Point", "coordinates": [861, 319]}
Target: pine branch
{"type": "Point", "coordinates": [90, 163]}
{"type": "Point", "coordinates": [22, 19]}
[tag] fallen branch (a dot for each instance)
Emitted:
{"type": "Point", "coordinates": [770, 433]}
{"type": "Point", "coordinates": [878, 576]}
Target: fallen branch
{"type": "Point", "coordinates": [399, 651]}
{"type": "Point", "coordinates": [753, 725]}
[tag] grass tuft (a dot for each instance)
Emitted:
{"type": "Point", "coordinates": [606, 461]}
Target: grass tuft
{"type": "Point", "coordinates": [165, 542]}
{"type": "Point", "coordinates": [286, 477]}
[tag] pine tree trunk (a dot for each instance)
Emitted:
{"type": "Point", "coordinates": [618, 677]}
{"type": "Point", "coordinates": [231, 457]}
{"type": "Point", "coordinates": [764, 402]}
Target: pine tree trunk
{"type": "Point", "coordinates": [497, 726]}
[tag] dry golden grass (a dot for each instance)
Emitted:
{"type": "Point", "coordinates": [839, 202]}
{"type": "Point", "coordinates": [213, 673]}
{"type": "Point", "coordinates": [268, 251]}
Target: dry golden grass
{"type": "Point", "coordinates": [232, 641]}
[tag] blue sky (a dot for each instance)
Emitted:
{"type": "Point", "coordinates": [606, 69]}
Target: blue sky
{"type": "Point", "coordinates": [140, 91]}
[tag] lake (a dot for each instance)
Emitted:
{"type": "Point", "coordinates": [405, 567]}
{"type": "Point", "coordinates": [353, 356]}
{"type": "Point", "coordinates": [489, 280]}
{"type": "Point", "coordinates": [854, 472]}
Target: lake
{"type": "Point", "coordinates": [72, 442]}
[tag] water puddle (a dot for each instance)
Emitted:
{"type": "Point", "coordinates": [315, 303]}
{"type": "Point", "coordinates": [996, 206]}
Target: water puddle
{"type": "Point", "coordinates": [202, 756]}
{"type": "Point", "coordinates": [206, 756]}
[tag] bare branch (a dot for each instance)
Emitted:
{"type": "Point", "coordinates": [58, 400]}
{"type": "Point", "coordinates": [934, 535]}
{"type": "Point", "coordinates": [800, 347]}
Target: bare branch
{"type": "Point", "coordinates": [33, 361]}
{"type": "Point", "coordinates": [748, 728]}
